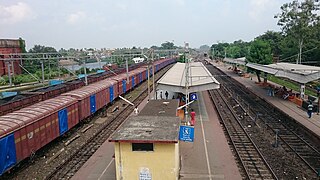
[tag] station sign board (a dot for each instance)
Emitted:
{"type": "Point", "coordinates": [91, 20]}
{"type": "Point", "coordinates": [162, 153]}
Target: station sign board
{"type": "Point", "coordinates": [186, 133]}
{"type": "Point", "coordinates": [193, 96]}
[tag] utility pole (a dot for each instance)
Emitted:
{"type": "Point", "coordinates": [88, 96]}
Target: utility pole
{"type": "Point", "coordinates": [42, 70]}
{"type": "Point", "coordinates": [9, 73]}
{"type": "Point", "coordinates": [187, 87]}
{"type": "Point", "coordinates": [153, 84]}
{"type": "Point", "coordinates": [85, 72]}
{"type": "Point", "coordinates": [127, 70]}
{"type": "Point", "coordinates": [148, 80]}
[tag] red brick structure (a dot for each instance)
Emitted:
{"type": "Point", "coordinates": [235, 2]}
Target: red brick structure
{"type": "Point", "coordinates": [7, 47]}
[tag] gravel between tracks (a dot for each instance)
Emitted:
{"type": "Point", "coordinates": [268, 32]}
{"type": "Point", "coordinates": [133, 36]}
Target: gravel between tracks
{"type": "Point", "coordinates": [38, 166]}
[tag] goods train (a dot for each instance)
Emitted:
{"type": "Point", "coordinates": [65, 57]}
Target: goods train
{"type": "Point", "coordinates": [25, 131]}
{"type": "Point", "coordinates": [19, 101]}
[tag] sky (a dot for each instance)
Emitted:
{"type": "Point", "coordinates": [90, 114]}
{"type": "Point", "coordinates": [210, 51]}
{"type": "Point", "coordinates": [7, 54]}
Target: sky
{"type": "Point", "coordinates": [140, 23]}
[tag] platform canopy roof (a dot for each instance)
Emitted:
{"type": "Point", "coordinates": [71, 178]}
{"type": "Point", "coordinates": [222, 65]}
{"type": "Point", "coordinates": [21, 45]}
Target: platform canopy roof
{"type": "Point", "coordinates": [241, 61]}
{"type": "Point", "coordinates": [296, 72]}
{"type": "Point", "coordinates": [199, 78]}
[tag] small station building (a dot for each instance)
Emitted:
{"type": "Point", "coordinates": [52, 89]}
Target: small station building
{"type": "Point", "coordinates": [147, 146]}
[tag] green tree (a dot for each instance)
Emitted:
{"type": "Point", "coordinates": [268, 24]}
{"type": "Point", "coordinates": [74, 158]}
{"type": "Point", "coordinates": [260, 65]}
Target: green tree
{"type": "Point", "coordinates": [168, 45]}
{"type": "Point", "coordinates": [297, 19]}
{"type": "Point", "coordinates": [22, 44]}
{"type": "Point", "coordinates": [274, 39]}
{"type": "Point", "coordinates": [260, 53]}
{"type": "Point", "coordinates": [42, 49]}
{"type": "Point", "coordinates": [218, 50]}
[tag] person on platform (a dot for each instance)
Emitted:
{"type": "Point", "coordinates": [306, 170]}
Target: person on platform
{"type": "Point", "coordinates": [166, 94]}
{"type": "Point", "coordinates": [193, 117]}
{"type": "Point", "coordinates": [161, 95]}
{"type": "Point", "coordinates": [310, 108]}
{"type": "Point", "coordinates": [136, 110]}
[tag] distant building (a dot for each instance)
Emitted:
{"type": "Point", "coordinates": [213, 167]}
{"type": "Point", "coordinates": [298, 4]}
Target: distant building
{"type": "Point", "coordinates": [138, 60]}
{"type": "Point", "coordinates": [7, 47]}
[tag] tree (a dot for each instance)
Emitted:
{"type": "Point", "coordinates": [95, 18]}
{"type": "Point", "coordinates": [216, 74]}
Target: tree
{"type": "Point", "coordinates": [274, 39]}
{"type": "Point", "coordinates": [260, 53]}
{"type": "Point", "coordinates": [168, 45]}
{"type": "Point", "coordinates": [297, 19]}
{"type": "Point", "coordinates": [42, 49]}
{"type": "Point", "coordinates": [204, 48]}
{"type": "Point", "coordinates": [218, 50]}
{"type": "Point", "coordinates": [22, 45]}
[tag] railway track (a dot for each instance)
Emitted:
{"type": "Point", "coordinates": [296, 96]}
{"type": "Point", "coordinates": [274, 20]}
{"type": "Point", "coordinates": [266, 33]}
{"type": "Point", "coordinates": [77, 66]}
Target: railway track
{"type": "Point", "coordinates": [291, 136]}
{"type": "Point", "coordinates": [252, 161]}
{"type": "Point", "coordinates": [68, 168]}
{"type": "Point", "coordinates": [74, 162]}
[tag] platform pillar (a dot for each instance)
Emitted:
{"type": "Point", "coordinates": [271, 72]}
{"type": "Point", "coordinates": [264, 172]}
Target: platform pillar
{"type": "Point", "coordinates": [302, 90]}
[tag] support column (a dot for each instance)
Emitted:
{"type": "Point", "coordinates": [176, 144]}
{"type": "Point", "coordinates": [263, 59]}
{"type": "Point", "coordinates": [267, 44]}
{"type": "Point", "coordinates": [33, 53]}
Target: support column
{"type": "Point", "coordinates": [127, 70]}
{"type": "Point", "coordinates": [153, 83]}
{"type": "Point", "coordinates": [148, 81]}
{"type": "Point", "coordinates": [85, 72]}
{"type": "Point", "coordinates": [302, 90]}
{"type": "Point", "coordinates": [42, 70]}
{"type": "Point", "coordinates": [9, 73]}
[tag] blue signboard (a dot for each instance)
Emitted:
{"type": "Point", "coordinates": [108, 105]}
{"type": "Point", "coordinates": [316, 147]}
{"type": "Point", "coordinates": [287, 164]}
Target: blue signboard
{"type": "Point", "coordinates": [186, 133]}
{"type": "Point", "coordinates": [193, 96]}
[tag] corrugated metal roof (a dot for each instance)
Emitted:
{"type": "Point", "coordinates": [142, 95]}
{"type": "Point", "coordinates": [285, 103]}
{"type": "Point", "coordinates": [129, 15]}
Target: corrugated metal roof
{"type": "Point", "coordinates": [296, 72]}
{"type": "Point", "coordinates": [88, 90]}
{"type": "Point", "coordinates": [241, 61]}
{"type": "Point", "coordinates": [200, 79]}
{"type": "Point", "coordinates": [161, 129]}
{"type": "Point", "coordinates": [18, 119]}
{"type": "Point", "coordinates": [162, 107]}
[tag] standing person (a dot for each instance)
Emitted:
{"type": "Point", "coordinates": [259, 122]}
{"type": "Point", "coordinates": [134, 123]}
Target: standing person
{"type": "Point", "coordinates": [318, 95]}
{"type": "Point", "coordinates": [166, 94]}
{"type": "Point", "coordinates": [310, 108]}
{"type": "Point", "coordinates": [193, 117]}
{"type": "Point", "coordinates": [161, 95]}
{"type": "Point", "coordinates": [136, 110]}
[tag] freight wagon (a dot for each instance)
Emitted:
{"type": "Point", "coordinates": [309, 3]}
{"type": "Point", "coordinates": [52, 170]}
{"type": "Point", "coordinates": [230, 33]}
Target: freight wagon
{"type": "Point", "coordinates": [25, 131]}
{"type": "Point", "coordinates": [11, 104]}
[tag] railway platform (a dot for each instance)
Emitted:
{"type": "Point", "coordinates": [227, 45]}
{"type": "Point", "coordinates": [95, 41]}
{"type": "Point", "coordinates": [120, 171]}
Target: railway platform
{"type": "Point", "coordinates": [291, 109]}
{"type": "Point", "coordinates": [208, 157]}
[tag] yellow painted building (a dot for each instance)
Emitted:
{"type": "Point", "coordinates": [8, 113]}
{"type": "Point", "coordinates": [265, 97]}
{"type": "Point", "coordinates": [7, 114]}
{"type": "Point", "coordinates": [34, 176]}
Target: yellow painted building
{"type": "Point", "coordinates": [147, 147]}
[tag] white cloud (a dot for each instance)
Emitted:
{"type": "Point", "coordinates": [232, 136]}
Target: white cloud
{"type": "Point", "coordinates": [259, 7]}
{"type": "Point", "coordinates": [76, 17]}
{"type": "Point", "coordinates": [15, 13]}
{"type": "Point", "coordinates": [180, 2]}
{"type": "Point", "coordinates": [122, 6]}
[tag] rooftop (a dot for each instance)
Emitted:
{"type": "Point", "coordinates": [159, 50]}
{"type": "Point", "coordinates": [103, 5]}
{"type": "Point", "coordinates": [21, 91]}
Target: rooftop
{"type": "Point", "coordinates": [296, 72]}
{"type": "Point", "coordinates": [199, 78]}
{"type": "Point", "coordinates": [161, 108]}
{"type": "Point", "coordinates": [148, 129]}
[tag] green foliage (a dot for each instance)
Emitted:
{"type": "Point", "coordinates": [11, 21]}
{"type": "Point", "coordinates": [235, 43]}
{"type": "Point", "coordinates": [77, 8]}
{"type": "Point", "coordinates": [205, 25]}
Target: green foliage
{"type": "Point", "coordinates": [42, 49]}
{"type": "Point", "coordinates": [22, 44]}
{"type": "Point", "coordinates": [260, 52]}
{"type": "Point", "coordinates": [218, 50]}
{"type": "Point", "coordinates": [182, 58]}
{"type": "Point", "coordinates": [168, 45]}
{"type": "Point", "coordinates": [298, 21]}
{"type": "Point", "coordinates": [274, 39]}
{"type": "Point", "coordinates": [2, 81]}
{"type": "Point", "coordinates": [289, 85]}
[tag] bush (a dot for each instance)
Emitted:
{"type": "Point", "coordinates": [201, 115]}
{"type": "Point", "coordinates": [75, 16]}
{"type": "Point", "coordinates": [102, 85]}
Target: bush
{"type": "Point", "coordinates": [2, 81]}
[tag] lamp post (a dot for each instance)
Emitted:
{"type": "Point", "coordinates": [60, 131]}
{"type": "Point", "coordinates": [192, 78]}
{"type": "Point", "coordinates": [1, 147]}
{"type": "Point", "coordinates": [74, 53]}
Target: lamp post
{"type": "Point", "coordinates": [153, 84]}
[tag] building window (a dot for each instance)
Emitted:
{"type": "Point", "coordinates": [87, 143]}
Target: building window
{"type": "Point", "coordinates": [142, 146]}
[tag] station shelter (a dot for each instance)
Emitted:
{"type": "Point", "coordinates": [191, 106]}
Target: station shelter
{"type": "Point", "coordinates": [147, 146]}
{"type": "Point", "coordinates": [184, 79]}
{"type": "Point", "coordinates": [295, 72]}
